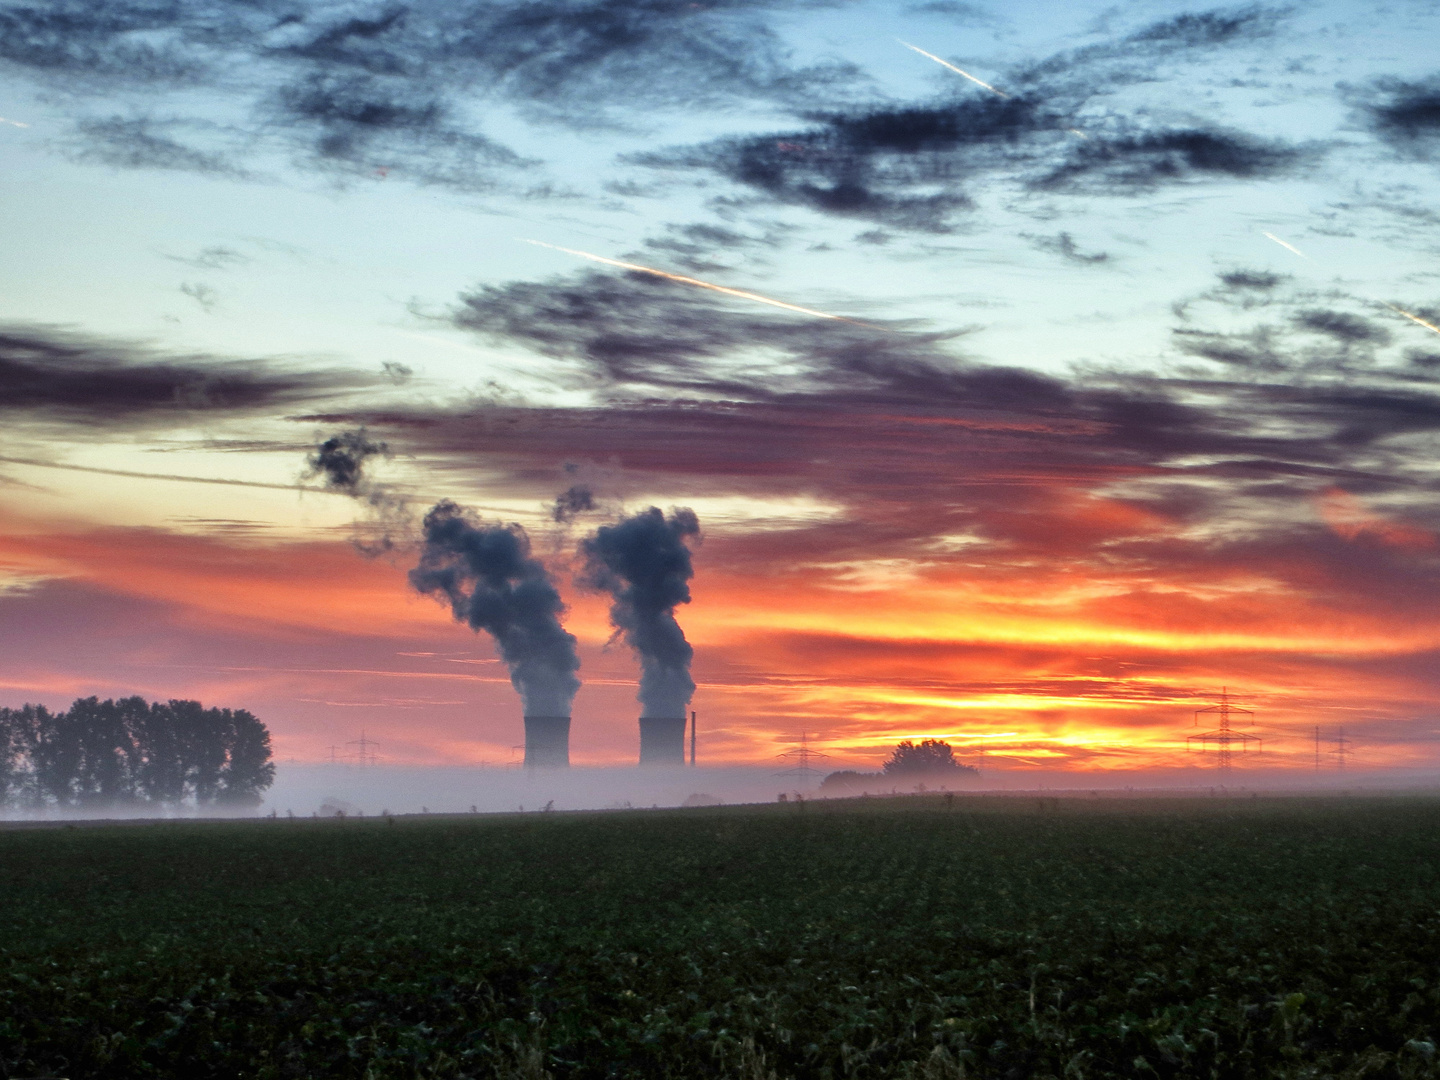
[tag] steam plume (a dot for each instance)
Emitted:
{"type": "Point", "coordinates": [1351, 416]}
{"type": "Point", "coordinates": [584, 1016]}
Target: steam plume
{"type": "Point", "coordinates": [572, 502]}
{"type": "Point", "coordinates": [643, 563]}
{"type": "Point", "coordinates": [340, 462]}
{"type": "Point", "coordinates": [493, 584]}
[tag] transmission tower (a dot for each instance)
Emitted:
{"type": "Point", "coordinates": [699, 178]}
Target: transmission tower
{"type": "Point", "coordinates": [1225, 736]}
{"type": "Point", "coordinates": [1341, 747]}
{"type": "Point", "coordinates": [333, 750]}
{"type": "Point", "coordinates": [364, 755]}
{"type": "Point", "coordinates": [799, 758]}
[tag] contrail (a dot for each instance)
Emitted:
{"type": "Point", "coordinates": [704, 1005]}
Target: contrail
{"type": "Point", "coordinates": [1414, 318]}
{"type": "Point", "coordinates": [13, 123]}
{"type": "Point", "coordinates": [979, 82]}
{"type": "Point", "coordinates": [741, 293]}
{"type": "Point", "coordinates": [1282, 243]}
{"type": "Point", "coordinates": [164, 476]}
{"type": "Point", "coordinates": [958, 71]}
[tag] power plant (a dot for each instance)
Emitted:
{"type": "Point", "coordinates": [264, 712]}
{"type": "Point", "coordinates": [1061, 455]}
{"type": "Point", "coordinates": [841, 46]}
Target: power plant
{"type": "Point", "coordinates": [662, 740]}
{"type": "Point", "coordinates": [547, 742]}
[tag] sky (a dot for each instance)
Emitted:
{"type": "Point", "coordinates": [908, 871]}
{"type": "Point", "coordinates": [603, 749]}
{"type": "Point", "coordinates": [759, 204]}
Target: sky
{"type": "Point", "coordinates": [1069, 364]}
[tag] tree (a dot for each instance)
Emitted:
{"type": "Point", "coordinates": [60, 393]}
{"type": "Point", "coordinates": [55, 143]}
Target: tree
{"type": "Point", "coordinates": [9, 755]}
{"type": "Point", "coordinates": [115, 752]}
{"type": "Point", "coordinates": [930, 757]}
{"type": "Point", "coordinates": [248, 770]}
{"type": "Point", "coordinates": [105, 745]}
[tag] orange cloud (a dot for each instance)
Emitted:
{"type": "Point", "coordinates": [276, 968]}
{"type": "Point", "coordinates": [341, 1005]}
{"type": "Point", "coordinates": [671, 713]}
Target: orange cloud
{"type": "Point", "coordinates": [1352, 519]}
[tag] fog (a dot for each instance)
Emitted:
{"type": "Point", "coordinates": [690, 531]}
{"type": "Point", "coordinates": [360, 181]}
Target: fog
{"type": "Point", "coordinates": [322, 790]}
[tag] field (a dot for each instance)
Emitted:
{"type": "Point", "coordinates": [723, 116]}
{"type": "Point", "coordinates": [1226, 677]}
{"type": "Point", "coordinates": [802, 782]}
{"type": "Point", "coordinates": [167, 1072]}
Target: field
{"type": "Point", "coordinates": [1014, 938]}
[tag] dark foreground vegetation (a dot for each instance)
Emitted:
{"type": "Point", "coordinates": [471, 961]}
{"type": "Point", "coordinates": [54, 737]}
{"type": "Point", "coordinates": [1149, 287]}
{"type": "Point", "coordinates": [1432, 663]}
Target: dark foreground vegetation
{"type": "Point", "coordinates": [1008, 938]}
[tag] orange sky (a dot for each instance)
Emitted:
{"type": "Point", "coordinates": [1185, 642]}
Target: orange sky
{"type": "Point", "coordinates": [1067, 664]}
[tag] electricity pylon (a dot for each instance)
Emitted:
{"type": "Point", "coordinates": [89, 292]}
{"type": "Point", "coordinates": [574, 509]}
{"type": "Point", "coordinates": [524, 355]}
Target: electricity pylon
{"type": "Point", "coordinates": [1225, 736]}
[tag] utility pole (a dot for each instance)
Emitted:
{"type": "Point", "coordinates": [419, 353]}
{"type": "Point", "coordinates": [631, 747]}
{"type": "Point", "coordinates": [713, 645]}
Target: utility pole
{"type": "Point", "coordinates": [692, 739]}
{"type": "Point", "coordinates": [1317, 747]}
{"type": "Point", "coordinates": [1225, 736]}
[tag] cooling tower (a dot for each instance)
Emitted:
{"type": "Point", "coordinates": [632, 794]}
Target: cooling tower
{"type": "Point", "coordinates": [662, 740]}
{"type": "Point", "coordinates": [547, 742]}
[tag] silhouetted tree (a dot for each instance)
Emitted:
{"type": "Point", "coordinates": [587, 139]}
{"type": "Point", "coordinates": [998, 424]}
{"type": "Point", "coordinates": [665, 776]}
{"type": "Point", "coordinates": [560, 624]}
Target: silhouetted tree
{"type": "Point", "coordinates": [929, 757]}
{"type": "Point", "coordinates": [9, 756]}
{"type": "Point", "coordinates": [104, 770]}
{"type": "Point", "coordinates": [248, 770]}
{"type": "Point", "coordinates": [114, 752]}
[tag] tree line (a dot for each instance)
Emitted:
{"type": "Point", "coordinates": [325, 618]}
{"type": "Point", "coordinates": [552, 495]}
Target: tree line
{"type": "Point", "coordinates": [109, 753]}
{"type": "Point", "coordinates": [927, 760]}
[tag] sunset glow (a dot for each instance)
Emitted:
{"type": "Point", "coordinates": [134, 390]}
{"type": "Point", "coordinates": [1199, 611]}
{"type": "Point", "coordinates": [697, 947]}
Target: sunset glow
{"type": "Point", "coordinates": [1127, 421]}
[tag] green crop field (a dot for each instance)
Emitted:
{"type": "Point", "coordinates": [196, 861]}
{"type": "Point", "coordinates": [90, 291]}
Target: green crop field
{"type": "Point", "coordinates": [994, 937]}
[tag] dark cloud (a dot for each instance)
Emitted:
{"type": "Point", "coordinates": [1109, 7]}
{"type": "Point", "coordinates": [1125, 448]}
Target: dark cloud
{"type": "Point", "coordinates": [96, 41]}
{"type": "Point", "coordinates": [571, 503]}
{"type": "Point", "coordinates": [1405, 114]}
{"type": "Point", "coordinates": [1342, 326]}
{"type": "Point", "coordinates": [340, 460]}
{"type": "Point", "coordinates": [702, 247]}
{"type": "Point", "coordinates": [1207, 29]}
{"type": "Point", "coordinates": [394, 87]}
{"type": "Point", "coordinates": [1259, 280]}
{"type": "Point", "coordinates": [1123, 59]}
{"type": "Point", "coordinates": [147, 143]}
{"type": "Point", "coordinates": [1134, 164]}
{"type": "Point", "coordinates": [917, 166]}
{"type": "Point", "coordinates": [953, 9]}
{"type": "Point", "coordinates": [362, 122]}
{"type": "Point", "coordinates": [396, 372]}
{"type": "Point", "coordinates": [64, 376]}
{"type": "Point", "coordinates": [880, 165]}
{"type": "Point", "coordinates": [777, 403]}
{"type": "Point", "coordinates": [1298, 332]}
{"type": "Point", "coordinates": [646, 334]}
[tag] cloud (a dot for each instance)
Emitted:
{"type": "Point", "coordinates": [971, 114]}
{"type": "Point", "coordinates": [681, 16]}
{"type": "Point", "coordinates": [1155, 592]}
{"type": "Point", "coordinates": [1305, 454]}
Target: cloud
{"type": "Point", "coordinates": [917, 166]}
{"type": "Point", "coordinates": [1404, 114]}
{"type": "Point", "coordinates": [1063, 244]}
{"type": "Point", "coordinates": [365, 122]}
{"type": "Point", "coordinates": [1275, 398]}
{"type": "Point", "coordinates": [201, 293]}
{"type": "Point", "coordinates": [146, 143]}
{"type": "Point", "coordinates": [395, 87]}
{"type": "Point", "coordinates": [1134, 164]}
{"type": "Point", "coordinates": [216, 257]}
{"type": "Point", "coordinates": [58, 375]}
{"type": "Point", "coordinates": [571, 503]}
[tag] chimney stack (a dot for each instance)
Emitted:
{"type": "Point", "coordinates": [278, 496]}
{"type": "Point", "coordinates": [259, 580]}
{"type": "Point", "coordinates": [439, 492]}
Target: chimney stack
{"type": "Point", "coordinates": [662, 740]}
{"type": "Point", "coordinates": [547, 742]}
